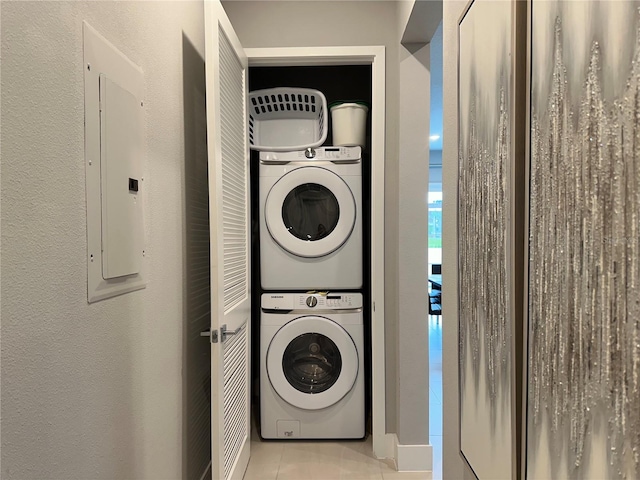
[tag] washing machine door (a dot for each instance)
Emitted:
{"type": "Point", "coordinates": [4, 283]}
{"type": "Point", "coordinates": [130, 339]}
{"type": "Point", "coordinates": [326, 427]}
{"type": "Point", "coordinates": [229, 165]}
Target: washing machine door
{"type": "Point", "coordinates": [310, 212]}
{"type": "Point", "coordinates": [312, 362]}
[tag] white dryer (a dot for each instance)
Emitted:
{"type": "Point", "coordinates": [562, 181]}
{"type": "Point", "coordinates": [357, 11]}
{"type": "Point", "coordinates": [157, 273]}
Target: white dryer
{"type": "Point", "coordinates": [311, 219]}
{"type": "Point", "coordinates": [312, 366]}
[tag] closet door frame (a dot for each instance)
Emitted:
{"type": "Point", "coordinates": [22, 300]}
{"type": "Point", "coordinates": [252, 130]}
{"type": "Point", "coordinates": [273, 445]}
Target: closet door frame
{"type": "Point", "coordinates": [383, 445]}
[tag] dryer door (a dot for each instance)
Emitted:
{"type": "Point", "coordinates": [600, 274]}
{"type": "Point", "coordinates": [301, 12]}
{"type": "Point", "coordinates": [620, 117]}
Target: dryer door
{"type": "Point", "coordinates": [310, 212]}
{"type": "Point", "coordinates": [312, 362]}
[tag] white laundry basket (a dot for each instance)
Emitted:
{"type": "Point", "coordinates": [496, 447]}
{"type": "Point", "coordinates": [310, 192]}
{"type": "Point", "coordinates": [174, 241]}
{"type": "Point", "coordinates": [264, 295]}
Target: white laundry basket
{"type": "Point", "coordinates": [349, 123]}
{"type": "Point", "coordinates": [285, 119]}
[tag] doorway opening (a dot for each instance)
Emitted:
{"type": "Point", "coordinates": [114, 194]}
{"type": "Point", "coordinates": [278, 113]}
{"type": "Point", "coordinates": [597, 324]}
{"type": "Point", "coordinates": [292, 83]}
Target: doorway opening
{"type": "Point", "coordinates": [273, 61]}
{"type": "Point", "coordinates": [435, 265]}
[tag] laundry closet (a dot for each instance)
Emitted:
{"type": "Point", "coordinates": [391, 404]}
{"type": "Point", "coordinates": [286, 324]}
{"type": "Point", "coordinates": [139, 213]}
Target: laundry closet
{"type": "Point", "coordinates": [311, 276]}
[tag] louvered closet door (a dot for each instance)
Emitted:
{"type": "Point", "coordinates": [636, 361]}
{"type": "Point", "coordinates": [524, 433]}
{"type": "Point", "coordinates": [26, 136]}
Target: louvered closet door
{"type": "Point", "coordinates": [226, 69]}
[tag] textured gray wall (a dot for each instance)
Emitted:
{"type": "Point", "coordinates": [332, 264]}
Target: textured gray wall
{"type": "Point", "coordinates": [89, 391]}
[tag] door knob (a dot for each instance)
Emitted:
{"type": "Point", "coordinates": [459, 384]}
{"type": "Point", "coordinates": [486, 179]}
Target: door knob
{"type": "Point", "coordinates": [224, 332]}
{"type": "Point", "coordinates": [213, 334]}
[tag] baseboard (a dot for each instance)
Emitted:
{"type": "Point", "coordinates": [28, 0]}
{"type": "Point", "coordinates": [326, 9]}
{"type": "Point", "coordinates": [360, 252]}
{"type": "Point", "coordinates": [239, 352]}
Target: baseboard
{"type": "Point", "coordinates": [383, 446]}
{"type": "Point", "coordinates": [407, 458]}
{"type": "Point", "coordinates": [391, 446]}
{"type": "Point", "coordinates": [411, 458]}
{"type": "Point", "coordinates": [389, 442]}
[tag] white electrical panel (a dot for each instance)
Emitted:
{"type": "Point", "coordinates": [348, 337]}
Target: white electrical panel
{"type": "Point", "coordinates": [121, 180]}
{"type": "Point", "coordinates": [114, 156]}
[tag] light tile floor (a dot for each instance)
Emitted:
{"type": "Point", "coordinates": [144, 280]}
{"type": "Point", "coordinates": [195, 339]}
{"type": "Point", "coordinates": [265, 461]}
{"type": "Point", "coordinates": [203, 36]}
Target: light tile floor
{"type": "Point", "coordinates": [353, 460]}
{"type": "Point", "coordinates": [435, 394]}
{"type": "Point", "coordinates": [321, 460]}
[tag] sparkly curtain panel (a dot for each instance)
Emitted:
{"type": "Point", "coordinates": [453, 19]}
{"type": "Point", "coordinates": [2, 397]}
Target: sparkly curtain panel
{"type": "Point", "coordinates": [583, 399]}
{"type": "Point", "coordinates": [483, 235]}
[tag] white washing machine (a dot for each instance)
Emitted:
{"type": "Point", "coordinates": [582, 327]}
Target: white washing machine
{"type": "Point", "coordinates": [311, 219]}
{"type": "Point", "coordinates": [312, 366]}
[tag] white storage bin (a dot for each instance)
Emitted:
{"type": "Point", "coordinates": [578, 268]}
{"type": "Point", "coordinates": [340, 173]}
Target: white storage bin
{"type": "Point", "coordinates": [349, 124]}
{"type": "Point", "coordinates": [285, 119]}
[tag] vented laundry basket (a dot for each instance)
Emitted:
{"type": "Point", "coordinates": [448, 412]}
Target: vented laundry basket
{"type": "Point", "coordinates": [285, 119]}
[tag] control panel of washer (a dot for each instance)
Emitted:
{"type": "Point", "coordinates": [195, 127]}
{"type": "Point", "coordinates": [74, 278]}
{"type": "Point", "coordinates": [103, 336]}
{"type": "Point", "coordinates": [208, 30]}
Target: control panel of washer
{"type": "Point", "coordinates": [329, 301]}
{"type": "Point", "coordinates": [312, 301]}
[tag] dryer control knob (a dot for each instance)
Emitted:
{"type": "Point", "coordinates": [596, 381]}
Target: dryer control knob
{"type": "Point", "coordinates": [312, 301]}
{"type": "Point", "coordinates": [310, 153]}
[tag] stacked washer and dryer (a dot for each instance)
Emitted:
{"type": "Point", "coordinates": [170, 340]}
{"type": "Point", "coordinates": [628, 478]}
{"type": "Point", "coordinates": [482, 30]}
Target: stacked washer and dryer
{"type": "Point", "coordinates": [312, 338]}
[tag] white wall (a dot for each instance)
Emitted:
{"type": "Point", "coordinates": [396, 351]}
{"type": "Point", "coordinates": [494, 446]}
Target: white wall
{"type": "Point", "coordinates": [404, 10]}
{"type": "Point", "coordinates": [329, 23]}
{"type": "Point", "coordinates": [418, 22]}
{"type": "Point", "coordinates": [453, 464]}
{"type": "Point", "coordinates": [89, 391]}
{"type": "Point", "coordinates": [413, 340]}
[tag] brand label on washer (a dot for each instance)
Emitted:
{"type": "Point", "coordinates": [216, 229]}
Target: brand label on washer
{"type": "Point", "coordinates": [277, 302]}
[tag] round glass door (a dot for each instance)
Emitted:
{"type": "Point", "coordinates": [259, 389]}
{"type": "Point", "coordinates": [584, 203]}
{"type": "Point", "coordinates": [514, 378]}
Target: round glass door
{"type": "Point", "coordinates": [312, 362]}
{"type": "Point", "coordinates": [310, 212]}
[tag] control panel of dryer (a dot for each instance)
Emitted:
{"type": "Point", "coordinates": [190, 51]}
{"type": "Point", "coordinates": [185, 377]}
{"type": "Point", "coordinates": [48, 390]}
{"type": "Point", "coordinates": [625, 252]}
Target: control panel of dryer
{"type": "Point", "coordinates": [311, 301]}
{"type": "Point", "coordinates": [336, 154]}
